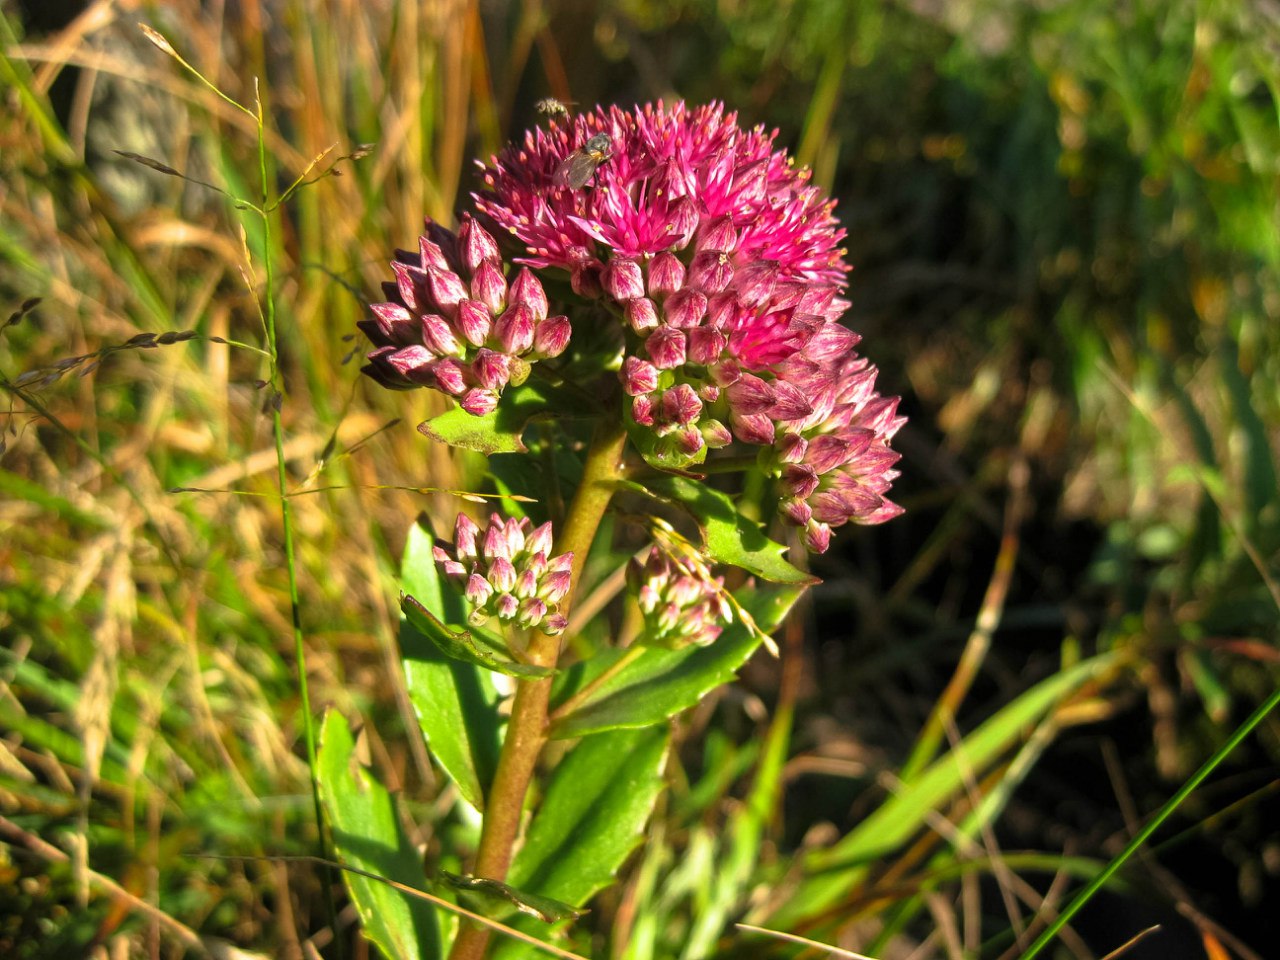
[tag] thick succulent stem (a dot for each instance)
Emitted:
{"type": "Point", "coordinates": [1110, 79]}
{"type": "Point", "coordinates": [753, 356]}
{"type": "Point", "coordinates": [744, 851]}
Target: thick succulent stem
{"type": "Point", "coordinates": [526, 731]}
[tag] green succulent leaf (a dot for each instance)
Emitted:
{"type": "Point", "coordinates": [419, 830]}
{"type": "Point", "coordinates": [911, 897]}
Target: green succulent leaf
{"type": "Point", "coordinates": [491, 896]}
{"type": "Point", "coordinates": [591, 818]}
{"type": "Point", "coordinates": [455, 700]}
{"type": "Point", "coordinates": [500, 431]}
{"type": "Point", "coordinates": [660, 683]}
{"type": "Point", "coordinates": [476, 646]}
{"type": "Point", "coordinates": [367, 835]}
{"type": "Point", "coordinates": [728, 536]}
{"type": "Point", "coordinates": [592, 815]}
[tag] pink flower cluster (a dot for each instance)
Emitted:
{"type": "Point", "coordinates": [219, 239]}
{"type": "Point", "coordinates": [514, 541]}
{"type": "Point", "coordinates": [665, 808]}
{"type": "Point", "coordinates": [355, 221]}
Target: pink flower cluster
{"type": "Point", "coordinates": [723, 264]}
{"type": "Point", "coordinates": [680, 601]}
{"type": "Point", "coordinates": [454, 322]}
{"type": "Point", "coordinates": [507, 572]}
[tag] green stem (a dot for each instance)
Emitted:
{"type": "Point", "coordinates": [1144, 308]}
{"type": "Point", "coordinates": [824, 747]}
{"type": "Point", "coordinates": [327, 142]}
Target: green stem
{"type": "Point", "coordinates": [1145, 833]}
{"type": "Point", "coordinates": [527, 729]}
{"type": "Point", "coordinates": [286, 517]}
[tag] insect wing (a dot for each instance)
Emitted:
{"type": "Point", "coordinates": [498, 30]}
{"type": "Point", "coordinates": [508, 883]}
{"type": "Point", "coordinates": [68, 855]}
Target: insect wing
{"type": "Point", "coordinates": [575, 170]}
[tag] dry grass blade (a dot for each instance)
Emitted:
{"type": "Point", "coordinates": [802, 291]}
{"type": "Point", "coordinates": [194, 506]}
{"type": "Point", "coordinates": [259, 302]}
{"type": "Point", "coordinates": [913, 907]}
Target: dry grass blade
{"type": "Point", "coordinates": [804, 941]}
{"type": "Point", "coordinates": [1131, 943]}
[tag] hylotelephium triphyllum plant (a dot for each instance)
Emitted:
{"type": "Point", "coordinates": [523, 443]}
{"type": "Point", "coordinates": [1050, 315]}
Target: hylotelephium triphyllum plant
{"type": "Point", "coordinates": [661, 290]}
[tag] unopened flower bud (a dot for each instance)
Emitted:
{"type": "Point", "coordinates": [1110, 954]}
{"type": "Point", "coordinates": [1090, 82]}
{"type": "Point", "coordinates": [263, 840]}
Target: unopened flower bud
{"type": "Point", "coordinates": [514, 329]}
{"type": "Point", "coordinates": [680, 601]}
{"type": "Point", "coordinates": [479, 402]}
{"type": "Point", "coordinates": [474, 322]}
{"type": "Point", "coordinates": [642, 410]}
{"type": "Point", "coordinates": [502, 574]}
{"type": "Point", "coordinates": [551, 337]}
{"type": "Point", "coordinates": [450, 376]}
{"type": "Point", "coordinates": [638, 377]}
{"type": "Point", "coordinates": [511, 576]}
{"type": "Point", "coordinates": [413, 286]}
{"type": "Point", "coordinates": [715, 434]}
{"type": "Point", "coordinates": [710, 271]}
{"type": "Point", "coordinates": [682, 222]}
{"type": "Point", "coordinates": [623, 280]}
{"type": "Point", "coordinates": [492, 370]}
{"type": "Point", "coordinates": [642, 315]}
{"type": "Point", "coordinates": [681, 405]}
{"type": "Point", "coordinates": [685, 308]}
{"type": "Point", "coordinates": [718, 236]}
{"type": "Point", "coordinates": [489, 286]}
{"type": "Point", "coordinates": [666, 347]}
{"type": "Point", "coordinates": [706, 344]}
{"type": "Point", "coordinates": [478, 591]}
{"type": "Point", "coordinates": [527, 289]}
{"type": "Point", "coordinates": [465, 535]}
{"type": "Point", "coordinates": [475, 244]}
{"type": "Point", "coordinates": [666, 274]}
{"type": "Point", "coordinates": [447, 291]}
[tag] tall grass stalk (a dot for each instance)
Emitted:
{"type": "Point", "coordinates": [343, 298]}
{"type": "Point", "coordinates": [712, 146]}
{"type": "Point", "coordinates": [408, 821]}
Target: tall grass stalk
{"type": "Point", "coordinates": [275, 402]}
{"type": "Point", "coordinates": [267, 208]}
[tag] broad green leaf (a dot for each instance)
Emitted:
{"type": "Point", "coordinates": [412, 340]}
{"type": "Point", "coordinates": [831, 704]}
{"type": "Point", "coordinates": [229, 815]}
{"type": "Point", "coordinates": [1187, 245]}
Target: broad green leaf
{"type": "Point", "coordinates": [471, 646]}
{"type": "Point", "coordinates": [367, 834]}
{"type": "Point", "coordinates": [456, 702]}
{"type": "Point", "coordinates": [592, 815]}
{"type": "Point", "coordinates": [902, 815]}
{"type": "Point", "coordinates": [728, 536]}
{"type": "Point", "coordinates": [501, 430]}
{"type": "Point", "coordinates": [660, 683]}
{"type": "Point", "coordinates": [487, 893]}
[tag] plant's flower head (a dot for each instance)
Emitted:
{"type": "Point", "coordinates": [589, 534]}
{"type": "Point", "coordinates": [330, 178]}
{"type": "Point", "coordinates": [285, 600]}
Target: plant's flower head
{"type": "Point", "coordinates": [688, 180]}
{"type": "Point", "coordinates": [682, 604]}
{"type": "Point", "coordinates": [723, 264]}
{"type": "Point", "coordinates": [506, 571]}
{"type": "Point", "coordinates": [456, 322]}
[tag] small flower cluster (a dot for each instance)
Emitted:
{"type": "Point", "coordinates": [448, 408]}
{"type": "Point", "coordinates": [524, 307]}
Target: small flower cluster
{"type": "Point", "coordinates": [682, 604]}
{"type": "Point", "coordinates": [507, 572]}
{"type": "Point", "coordinates": [453, 321]}
{"type": "Point", "coordinates": [723, 262]}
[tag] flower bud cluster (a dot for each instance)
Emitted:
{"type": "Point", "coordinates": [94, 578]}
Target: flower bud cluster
{"type": "Point", "coordinates": [506, 571]}
{"type": "Point", "coordinates": [455, 323]}
{"type": "Point", "coordinates": [739, 344]}
{"type": "Point", "coordinates": [680, 601]}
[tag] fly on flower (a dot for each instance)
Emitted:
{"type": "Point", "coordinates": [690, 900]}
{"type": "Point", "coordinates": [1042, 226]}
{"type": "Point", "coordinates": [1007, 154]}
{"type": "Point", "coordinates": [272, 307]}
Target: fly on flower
{"type": "Point", "coordinates": [551, 107]}
{"type": "Point", "coordinates": [576, 169]}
